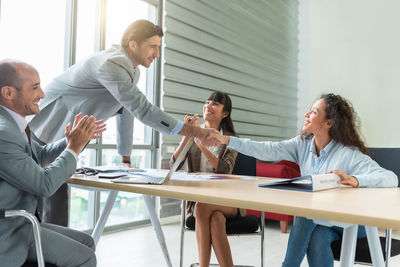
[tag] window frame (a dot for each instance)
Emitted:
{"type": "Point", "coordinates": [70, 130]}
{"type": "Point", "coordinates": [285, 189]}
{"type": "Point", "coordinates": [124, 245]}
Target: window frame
{"type": "Point", "coordinates": [152, 87]}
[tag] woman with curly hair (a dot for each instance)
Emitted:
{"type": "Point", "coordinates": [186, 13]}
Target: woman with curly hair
{"type": "Point", "coordinates": [330, 143]}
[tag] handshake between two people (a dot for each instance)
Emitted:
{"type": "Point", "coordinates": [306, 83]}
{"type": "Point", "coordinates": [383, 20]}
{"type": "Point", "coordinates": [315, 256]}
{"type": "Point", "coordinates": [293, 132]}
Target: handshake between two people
{"type": "Point", "coordinates": [203, 136]}
{"type": "Point", "coordinates": [82, 130]}
{"type": "Point", "coordinates": [86, 128]}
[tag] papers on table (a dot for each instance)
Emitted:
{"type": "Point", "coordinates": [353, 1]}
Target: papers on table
{"type": "Point", "coordinates": [108, 169]}
{"type": "Point", "coordinates": [108, 172]}
{"type": "Point", "coordinates": [111, 172]}
{"type": "Point", "coordinates": [190, 176]}
{"type": "Point", "coordinates": [187, 176]}
{"type": "Point", "coordinates": [112, 175]}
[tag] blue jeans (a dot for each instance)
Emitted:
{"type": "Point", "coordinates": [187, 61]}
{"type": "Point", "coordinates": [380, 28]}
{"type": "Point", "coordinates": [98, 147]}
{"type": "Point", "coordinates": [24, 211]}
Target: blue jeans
{"type": "Point", "coordinates": [315, 240]}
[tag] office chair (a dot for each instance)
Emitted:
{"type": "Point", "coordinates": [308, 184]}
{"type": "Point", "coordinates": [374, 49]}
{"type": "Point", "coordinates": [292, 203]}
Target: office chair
{"type": "Point", "coordinates": [281, 169]}
{"type": "Point", "coordinates": [387, 158]}
{"type": "Point", "coordinates": [36, 234]}
{"type": "Point", "coordinates": [248, 224]}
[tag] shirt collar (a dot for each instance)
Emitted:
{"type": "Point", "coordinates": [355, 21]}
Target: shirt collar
{"type": "Point", "coordinates": [127, 55]}
{"type": "Point", "coordinates": [326, 149]}
{"type": "Point", "coordinates": [21, 122]}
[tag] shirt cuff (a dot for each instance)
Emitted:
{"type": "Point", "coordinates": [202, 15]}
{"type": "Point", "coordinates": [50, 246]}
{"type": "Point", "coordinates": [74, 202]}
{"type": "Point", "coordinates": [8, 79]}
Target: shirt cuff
{"type": "Point", "coordinates": [363, 182]}
{"type": "Point", "coordinates": [73, 154]}
{"type": "Point", "coordinates": [178, 127]}
{"type": "Point", "coordinates": [234, 142]}
{"type": "Point", "coordinates": [358, 181]}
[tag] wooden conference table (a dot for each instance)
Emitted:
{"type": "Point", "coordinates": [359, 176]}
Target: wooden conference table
{"type": "Point", "coordinates": [376, 207]}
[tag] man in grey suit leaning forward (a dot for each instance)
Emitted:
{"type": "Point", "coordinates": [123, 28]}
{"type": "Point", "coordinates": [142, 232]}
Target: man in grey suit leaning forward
{"type": "Point", "coordinates": [104, 85]}
{"type": "Point", "coordinates": [23, 177]}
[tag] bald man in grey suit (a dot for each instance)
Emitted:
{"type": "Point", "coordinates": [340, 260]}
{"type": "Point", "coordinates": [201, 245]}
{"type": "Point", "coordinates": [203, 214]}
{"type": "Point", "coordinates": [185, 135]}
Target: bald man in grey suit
{"type": "Point", "coordinates": [105, 85]}
{"type": "Point", "coordinates": [23, 177]}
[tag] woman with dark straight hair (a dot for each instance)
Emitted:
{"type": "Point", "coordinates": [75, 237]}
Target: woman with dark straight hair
{"type": "Point", "coordinates": [210, 219]}
{"type": "Point", "coordinates": [330, 143]}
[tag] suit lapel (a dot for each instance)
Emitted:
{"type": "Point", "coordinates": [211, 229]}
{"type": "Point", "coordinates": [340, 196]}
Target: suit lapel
{"type": "Point", "coordinates": [14, 128]}
{"type": "Point", "coordinates": [33, 151]}
{"type": "Point", "coordinates": [35, 141]}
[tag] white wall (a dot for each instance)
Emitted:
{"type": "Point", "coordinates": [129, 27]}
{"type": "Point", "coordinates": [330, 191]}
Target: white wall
{"type": "Point", "coordinates": [352, 48]}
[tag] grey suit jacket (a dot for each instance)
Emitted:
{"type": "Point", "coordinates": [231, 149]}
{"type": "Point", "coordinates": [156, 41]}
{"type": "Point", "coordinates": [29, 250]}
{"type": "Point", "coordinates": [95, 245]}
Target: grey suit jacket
{"type": "Point", "coordinates": [23, 180]}
{"type": "Point", "coordinates": [100, 85]}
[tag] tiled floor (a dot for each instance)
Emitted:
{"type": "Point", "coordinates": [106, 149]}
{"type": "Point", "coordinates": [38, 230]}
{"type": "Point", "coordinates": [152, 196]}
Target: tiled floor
{"type": "Point", "coordinates": [139, 247]}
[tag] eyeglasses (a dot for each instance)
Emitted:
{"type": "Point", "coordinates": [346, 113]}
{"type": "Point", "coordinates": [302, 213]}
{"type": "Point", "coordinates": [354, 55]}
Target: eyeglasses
{"type": "Point", "coordinates": [86, 171]}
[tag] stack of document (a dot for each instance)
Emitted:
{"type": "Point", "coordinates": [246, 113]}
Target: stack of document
{"type": "Point", "coordinates": [112, 172]}
{"type": "Point", "coordinates": [115, 169]}
{"type": "Point", "coordinates": [307, 183]}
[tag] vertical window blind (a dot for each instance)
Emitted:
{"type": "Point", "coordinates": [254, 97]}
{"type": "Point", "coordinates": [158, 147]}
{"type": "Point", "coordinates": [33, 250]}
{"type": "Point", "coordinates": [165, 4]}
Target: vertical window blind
{"type": "Point", "coordinates": [247, 49]}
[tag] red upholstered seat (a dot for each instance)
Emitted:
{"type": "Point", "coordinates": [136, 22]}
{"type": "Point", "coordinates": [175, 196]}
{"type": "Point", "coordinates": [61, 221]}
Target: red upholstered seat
{"type": "Point", "coordinates": [281, 169]}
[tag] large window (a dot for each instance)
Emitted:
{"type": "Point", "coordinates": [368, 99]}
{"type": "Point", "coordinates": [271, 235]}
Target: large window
{"type": "Point", "coordinates": [77, 30]}
{"type": "Point", "coordinates": [100, 24]}
{"type": "Point", "coordinates": [27, 35]}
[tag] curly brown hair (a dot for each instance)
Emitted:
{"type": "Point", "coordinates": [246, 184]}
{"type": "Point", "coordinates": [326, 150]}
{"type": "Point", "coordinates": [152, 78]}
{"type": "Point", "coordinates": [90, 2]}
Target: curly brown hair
{"type": "Point", "coordinates": [345, 127]}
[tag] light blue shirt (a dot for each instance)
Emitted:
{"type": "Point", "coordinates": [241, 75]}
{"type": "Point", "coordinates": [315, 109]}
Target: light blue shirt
{"type": "Point", "coordinates": [178, 127]}
{"type": "Point", "coordinates": [335, 156]}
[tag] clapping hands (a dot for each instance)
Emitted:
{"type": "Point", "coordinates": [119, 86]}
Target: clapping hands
{"type": "Point", "coordinates": [192, 120]}
{"type": "Point", "coordinates": [82, 131]}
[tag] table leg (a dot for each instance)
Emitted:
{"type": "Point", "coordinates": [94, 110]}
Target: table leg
{"type": "Point", "coordinates": [349, 242]}
{"type": "Point", "coordinates": [99, 227]}
{"type": "Point", "coordinates": [388, 246]}
{"type": "Point", "coordinates": [157, 228]}
{"type": "Point", "coordinates": [375, 248]}
{"type": "Point", "coordinates": [183, 218]}
{"type": "Point", "coordinates": [262, 215]}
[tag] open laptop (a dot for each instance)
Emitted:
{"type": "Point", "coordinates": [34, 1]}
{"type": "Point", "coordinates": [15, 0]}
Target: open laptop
{"type": "Point", "coordinates": [143, 178]}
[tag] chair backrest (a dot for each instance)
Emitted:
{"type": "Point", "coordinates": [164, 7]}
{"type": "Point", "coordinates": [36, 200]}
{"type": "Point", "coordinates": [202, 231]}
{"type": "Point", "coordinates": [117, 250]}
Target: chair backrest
{"type": "Point", "coordinates": [245, 165]}
{"type": "Point", "coordinates": [281, 169]}
{"type": "Point", "coordinates": [388, 158]}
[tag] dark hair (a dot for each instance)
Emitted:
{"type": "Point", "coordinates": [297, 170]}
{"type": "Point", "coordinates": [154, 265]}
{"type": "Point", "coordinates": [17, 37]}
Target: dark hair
{"type": "Point", "coordinates": [139, 31]}
{"type": "Point", "coordinates": [9, 75]}
{"type": "Point", "coordinates": [224, 99]}
{"type": "Point", "coordinates": [345, 127]}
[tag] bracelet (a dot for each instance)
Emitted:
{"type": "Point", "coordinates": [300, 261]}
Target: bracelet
{"type": "Point", "coordinates": [126, 161]}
